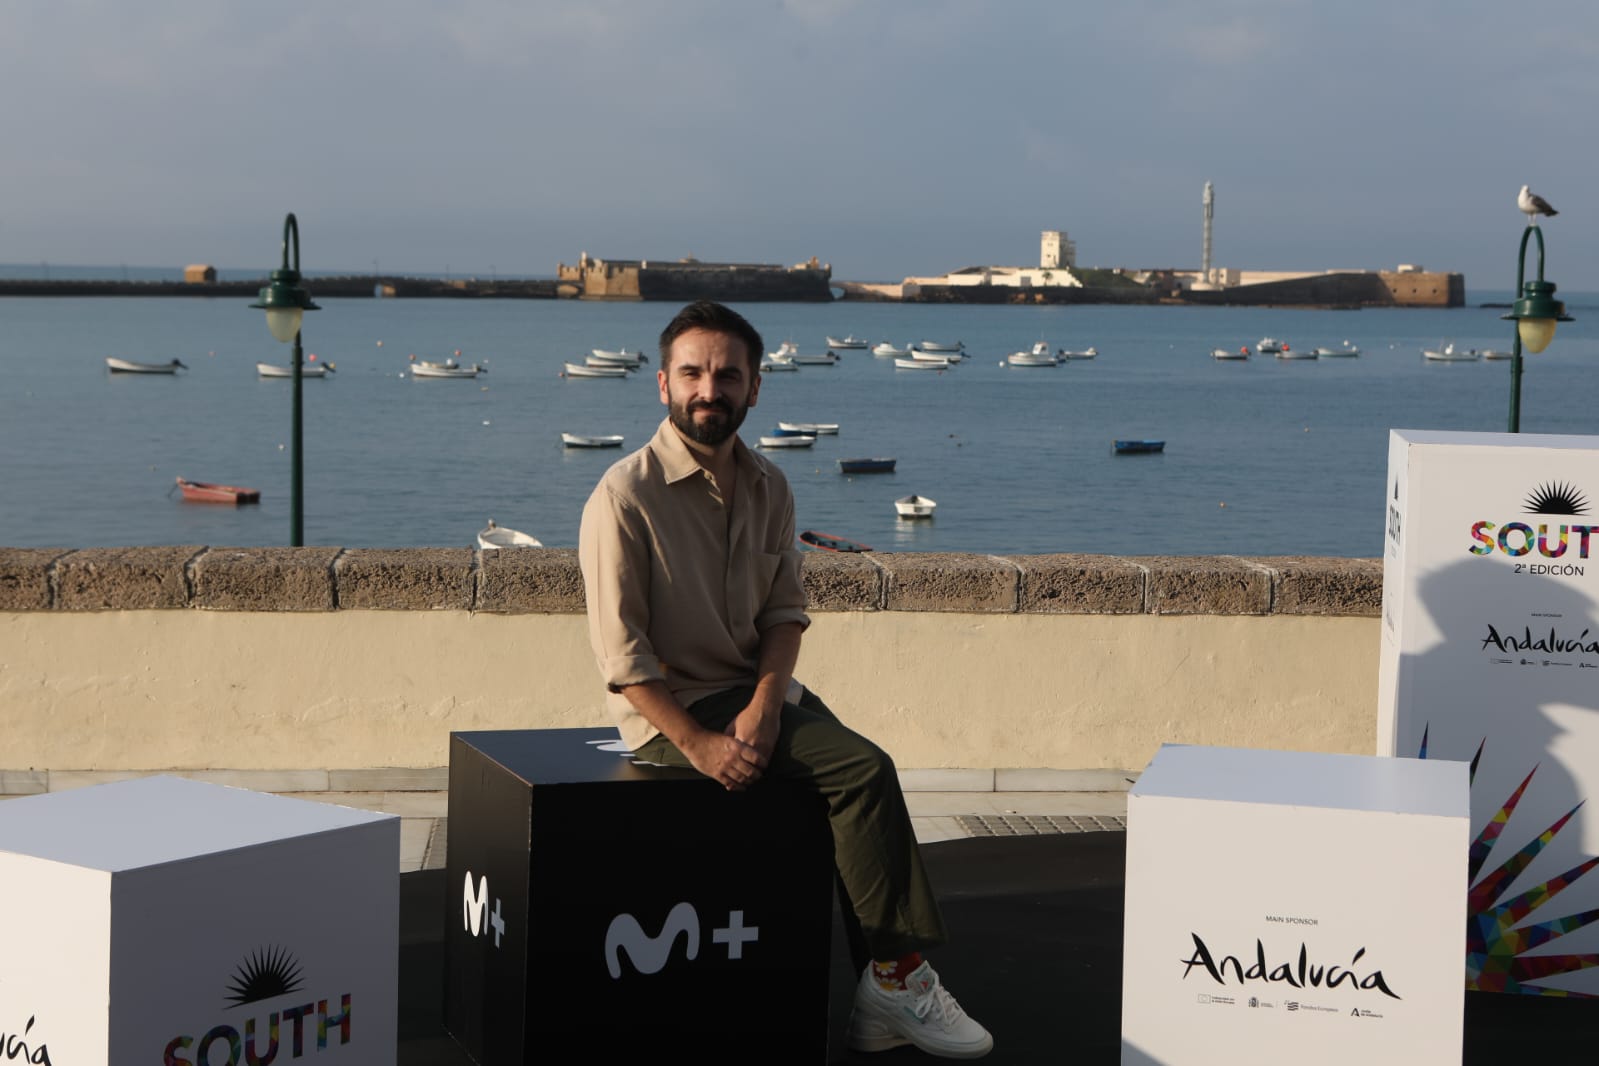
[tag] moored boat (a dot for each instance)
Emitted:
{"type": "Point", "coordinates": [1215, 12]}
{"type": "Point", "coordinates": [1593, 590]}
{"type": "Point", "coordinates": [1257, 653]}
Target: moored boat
{"type": "Point", "coordinates": [622, 355]}
{"type": "Point", "coordinates": [426, 370]}
{"type": "Point", "coordinates": [826, 429]}
{"type": "Point", "coordinates": [915, 506]}
{"type": "Point", "coordinates": [1269, 344]}
{"type": "Point", "coordinates": [774, 365]}
{"type": "Point", "coordinates": [578, 440]}
{"type": "Point", "coordinates": [1139, 447]}
{"type": "Point", "coordinates": [307, 370]}
{"type": "Point", "coordinates": [1494, 353]}
{"type": "Point", "coordinates": [850, 341]}
{"type": "Point", "coordinates": [1040, 355]}
{"type": "Point", "coordinates": [1226, 353]}
{"type": "Point", "coordinates": [936, 346]}
{"type": "Point", "coordinates": [824, 359]}
{"type": "Point", "coordinates": [1348, 351]}
{"type": "Point", "coordinates": [933, 355]}
{"type": "Point", "coordinates": [209, 492]}
{"type": "Point", "coordinates": [1286, 352]}
{"type": "Point", "coordinates": [128, 366]}
{"type": "Point", "coordinates": [596, 361]}
{"type": "Point", "coordinates": [828, 542]}
{"type": "Point", "coordinates": [922, 363]}
{"type": "Point", "coordinates": [578, 370]}
{"type": "Point", "coordinates": [886, 349]}
{"type": "Point", "coordinates": [497, 536]}
{"type": "Point", "coordinates": [1085, 353]}
{"type": "Point", "coordinates": [797, 441]}
{"type": "Point", "coordinates": [866, 466]}
{"type": "Point", "coordinates": [1450, 354]}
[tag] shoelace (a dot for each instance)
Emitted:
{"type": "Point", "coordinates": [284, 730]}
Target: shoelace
{"type": "Point", "coordinates": [938, 1002]}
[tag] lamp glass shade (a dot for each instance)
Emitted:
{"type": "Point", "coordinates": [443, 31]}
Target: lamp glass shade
{"type": "Point", "coordinates": [284, 322]}
{"type": "Point", "coordinates": [1536, 333]}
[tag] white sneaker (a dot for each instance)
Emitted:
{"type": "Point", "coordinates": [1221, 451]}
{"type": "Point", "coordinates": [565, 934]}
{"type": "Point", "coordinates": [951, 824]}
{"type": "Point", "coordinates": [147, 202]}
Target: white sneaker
{"type": "Point", "coordinates": [922, 1013]}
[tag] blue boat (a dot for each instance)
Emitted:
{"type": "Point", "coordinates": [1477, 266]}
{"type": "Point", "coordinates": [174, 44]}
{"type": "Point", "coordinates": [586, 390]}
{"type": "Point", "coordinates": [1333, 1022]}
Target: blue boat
{"type": "Point", "coordinates": [781, 432]}
{"type": "Point", "coordinates": [828, 542]}
{"type": "Point", "coordinates": [866, 466]}
{"type": "Point", "coordinates": [1139, 447]}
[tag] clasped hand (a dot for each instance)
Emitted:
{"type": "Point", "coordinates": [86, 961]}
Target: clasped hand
{"type": "Point", "coordinates": [737, 756]}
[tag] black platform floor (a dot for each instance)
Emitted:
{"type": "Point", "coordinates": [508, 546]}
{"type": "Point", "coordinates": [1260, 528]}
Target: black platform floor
{"type": "Point", "coordinates": [1035, 954]}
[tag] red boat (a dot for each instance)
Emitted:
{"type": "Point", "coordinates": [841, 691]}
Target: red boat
{"type": "Point", "coordinates": [206, 492]}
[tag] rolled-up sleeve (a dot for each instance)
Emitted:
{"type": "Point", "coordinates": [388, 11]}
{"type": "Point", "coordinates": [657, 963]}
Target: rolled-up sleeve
{"type": "Point", "coordinates": [614, 552]}
{"type": "Point", "coordinates": [786, 600]}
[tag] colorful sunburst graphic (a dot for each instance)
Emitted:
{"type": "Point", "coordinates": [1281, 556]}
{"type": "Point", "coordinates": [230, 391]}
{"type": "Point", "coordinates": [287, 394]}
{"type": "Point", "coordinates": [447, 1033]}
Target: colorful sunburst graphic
{"type": "Point", "coordinates": [266, 973]}
{"type": "Point", "coordinates": [1557, 497]}
{"type": "Point", "coordinates": [1495, 947]}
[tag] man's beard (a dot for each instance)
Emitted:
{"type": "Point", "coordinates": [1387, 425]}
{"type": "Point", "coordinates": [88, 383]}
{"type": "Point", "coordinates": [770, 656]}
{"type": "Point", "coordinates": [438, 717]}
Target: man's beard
{"type": "Point", "coordinates": [713, 431]}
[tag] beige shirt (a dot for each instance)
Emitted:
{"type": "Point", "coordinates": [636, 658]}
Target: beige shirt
{"type": "Point", "coordinates": [679, 590]}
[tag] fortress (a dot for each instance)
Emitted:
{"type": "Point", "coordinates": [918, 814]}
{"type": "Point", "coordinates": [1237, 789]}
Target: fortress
{"type": "Point", "coordinates": [689, 279]}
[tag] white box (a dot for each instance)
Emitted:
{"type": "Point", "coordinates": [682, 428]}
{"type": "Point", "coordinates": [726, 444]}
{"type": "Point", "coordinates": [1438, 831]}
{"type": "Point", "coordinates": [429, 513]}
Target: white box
{"type": "Point", "coordinates": [1294, 907]}
{"type": "Point", "coordinates": [170, 921]}
{"type": "Point", "coordinates": [1490, 641]}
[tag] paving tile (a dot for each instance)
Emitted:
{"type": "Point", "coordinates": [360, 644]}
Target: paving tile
{"type": "Point", "coordinates": [946, 780]}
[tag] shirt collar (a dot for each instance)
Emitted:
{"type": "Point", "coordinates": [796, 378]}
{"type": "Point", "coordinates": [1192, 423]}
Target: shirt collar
{"type": "Point", "coordinates": [679, 463]}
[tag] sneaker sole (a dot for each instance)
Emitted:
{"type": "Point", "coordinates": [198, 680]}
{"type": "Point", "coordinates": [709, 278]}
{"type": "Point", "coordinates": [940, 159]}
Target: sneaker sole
{"type": "Point", "coordinates": [874, 1032]}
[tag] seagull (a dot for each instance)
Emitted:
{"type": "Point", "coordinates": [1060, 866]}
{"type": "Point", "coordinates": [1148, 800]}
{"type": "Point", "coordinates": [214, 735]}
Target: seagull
{"type": "Point", "coordinates": [1532, 205]}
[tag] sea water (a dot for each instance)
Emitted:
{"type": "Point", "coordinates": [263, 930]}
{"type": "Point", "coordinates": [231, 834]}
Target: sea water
{"type": "Point", "coordinates": [1265, 457]}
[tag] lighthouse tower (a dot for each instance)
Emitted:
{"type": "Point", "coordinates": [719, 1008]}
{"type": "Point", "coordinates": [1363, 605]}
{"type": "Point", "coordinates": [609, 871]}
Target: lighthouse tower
{"type": "Point", "coordinates": [1210, 214]}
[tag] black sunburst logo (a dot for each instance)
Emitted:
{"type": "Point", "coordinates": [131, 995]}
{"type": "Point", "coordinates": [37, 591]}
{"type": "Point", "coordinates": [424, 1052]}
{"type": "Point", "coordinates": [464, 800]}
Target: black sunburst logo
{"type": "Point", "coordinates": [267, 973]}
{"type": "Point", "coordinates": [1557, 497]}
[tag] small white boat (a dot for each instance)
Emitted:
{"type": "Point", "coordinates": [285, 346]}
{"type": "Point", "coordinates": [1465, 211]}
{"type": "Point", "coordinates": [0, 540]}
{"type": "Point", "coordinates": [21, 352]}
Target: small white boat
{"type": "Point", "coordinates": [128, 366]}
{"type": "Point", "coordinates": [1495, 353]}
{"type": "Point", "coordinates": [935, 346]}
{"type": "Point", "coordinates": [578, 440]}
{"type": "Point", "coordinates": [802, 441]}
{"type": "Point", "coordinates": [434, 370]}
{"type": "Point", "coordinates": [622, 357]}
{"type": "Point", "coordinates": [1286, 352]}
{"type": "Point", "coordinates": [436, 364]}
{"type": "Point", "coordinates": [1039, 356]}
{"type": "Point", "coordinates": [772, 365]}
{"type": "Point", "coordinates": [1228, 353]}
{"type": "Point", "coordinates": [307, 370]}
{"type": "Point", "coordinates": [915, 506]}
{"type": "Point", "coordinates": [1450, 354]}
{"type": "Point", "coordinates": [828, 429]}
{"type": "Point", "coordinates": [923, 363]}
{"type": "Point", "coordinates": [850, 341]}
{"type": "Point", "coordinates": [887, 349]}
{"type": "Point", "coordinates": [1348, 351]}
{"type": "Point", "coordinates": [577, 370]}
{"type": "Point", "coordinates": [1086, 353]}
{"type": "Point", "coordinates": [1268, 345]}
{"type": "Point", "coordinates": [948, 357]}
{"type": "Point", "coordinates": [596, 361]}
{"type": "Point", "coordinates": [825, 359]}
{"type": "Point", "coordinates": [784, 351]}
{"type": "Point", "coordinates": [494, 536]}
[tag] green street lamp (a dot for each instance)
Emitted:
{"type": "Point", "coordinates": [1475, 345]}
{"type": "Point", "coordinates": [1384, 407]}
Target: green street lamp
{"type": "Point", "coordinates": [1535, 313]}
{"type": "Point", "coordinates": [285, 301]}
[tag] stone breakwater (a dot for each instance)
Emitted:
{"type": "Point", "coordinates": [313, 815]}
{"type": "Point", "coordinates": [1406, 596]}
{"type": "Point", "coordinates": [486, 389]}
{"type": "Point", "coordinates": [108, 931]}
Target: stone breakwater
{"type": "Point", "coordinates": [548, 581]}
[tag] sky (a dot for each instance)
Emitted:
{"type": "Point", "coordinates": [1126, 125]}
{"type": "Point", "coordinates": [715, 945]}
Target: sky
{"type": "Point", "coordinates": [886, 137]}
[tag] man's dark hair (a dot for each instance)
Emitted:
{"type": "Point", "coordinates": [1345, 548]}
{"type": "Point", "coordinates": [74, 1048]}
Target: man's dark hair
{"type": "Point", "coordinates": [714, 318]}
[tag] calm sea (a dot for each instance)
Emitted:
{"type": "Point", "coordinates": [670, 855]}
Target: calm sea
{"type": "Point", "coordinates": [1263, 457]}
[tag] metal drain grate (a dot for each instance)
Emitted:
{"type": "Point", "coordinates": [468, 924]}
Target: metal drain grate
{"type": "Point", "coordinates": [1021, 825]}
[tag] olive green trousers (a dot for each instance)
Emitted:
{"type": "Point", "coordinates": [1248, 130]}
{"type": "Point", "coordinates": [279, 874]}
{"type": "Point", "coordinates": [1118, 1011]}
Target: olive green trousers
{"type": "Point", "coordinates": [887, 902]}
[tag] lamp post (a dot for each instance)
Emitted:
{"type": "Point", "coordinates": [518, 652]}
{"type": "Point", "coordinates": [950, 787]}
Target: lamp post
{"type": "Point", "coordinates": [285, 301]}
{"type": "Point", "coordinates": [1535, 313]}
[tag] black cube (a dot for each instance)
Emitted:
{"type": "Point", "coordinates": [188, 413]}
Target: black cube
{"type": "Point", "coordinates": [599, 906]}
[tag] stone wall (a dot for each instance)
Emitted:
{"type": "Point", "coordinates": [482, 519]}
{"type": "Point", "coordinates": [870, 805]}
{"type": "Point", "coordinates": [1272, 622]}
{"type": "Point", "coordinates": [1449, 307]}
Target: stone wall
{"type": "Point", "coordinates": [329, 661]}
